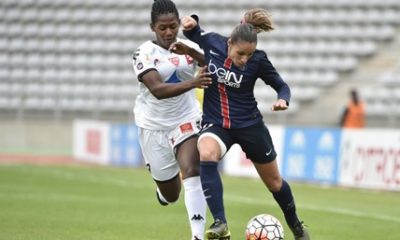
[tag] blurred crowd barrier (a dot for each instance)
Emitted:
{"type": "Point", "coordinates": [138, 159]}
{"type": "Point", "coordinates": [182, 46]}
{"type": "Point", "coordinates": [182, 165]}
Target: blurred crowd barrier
{"type": "Point", "coordinates": [362, 158]}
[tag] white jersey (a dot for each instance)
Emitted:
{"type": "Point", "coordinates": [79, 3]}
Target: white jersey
{"type": "Point", "coordinates": [165, 114]}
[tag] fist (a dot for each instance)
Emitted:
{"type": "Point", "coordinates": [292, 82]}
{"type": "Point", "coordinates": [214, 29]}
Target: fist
{"type": "Point", "coordinates": [188, 23]}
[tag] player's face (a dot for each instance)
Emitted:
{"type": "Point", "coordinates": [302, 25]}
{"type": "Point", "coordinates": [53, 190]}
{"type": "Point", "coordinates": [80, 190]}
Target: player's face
{"type": "Point", "coordinates": [166, 28]}
{"type": "Point", "coordinates": [240, 52]}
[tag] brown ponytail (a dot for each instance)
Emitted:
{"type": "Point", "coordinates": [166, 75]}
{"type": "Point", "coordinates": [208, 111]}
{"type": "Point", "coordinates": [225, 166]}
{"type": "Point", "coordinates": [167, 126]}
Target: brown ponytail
{"type": "Point", "coordinates": [259, 18]}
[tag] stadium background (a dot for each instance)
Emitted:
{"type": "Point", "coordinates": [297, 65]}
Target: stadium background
{"type": "Point", "coordinates": [65, 60]}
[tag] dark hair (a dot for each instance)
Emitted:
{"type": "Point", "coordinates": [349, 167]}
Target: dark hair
{"type": "Point", "coordinates": [244, 32]}
{"type": "Point", "coordinates": [354, 96]}
{"type": "Point", "coordinates": [162, 7]}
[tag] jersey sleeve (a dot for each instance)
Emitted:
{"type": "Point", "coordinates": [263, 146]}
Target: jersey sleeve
{"type": "Point", "coordinates": [142, 62]}
{"type": "Point", "coordinates": [270, 76]}
{"type": "Point", "coordinates": [197, 34]}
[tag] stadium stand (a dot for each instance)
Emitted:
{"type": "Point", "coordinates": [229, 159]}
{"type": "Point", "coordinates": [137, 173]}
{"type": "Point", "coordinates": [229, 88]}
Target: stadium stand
{"type": "Point", "coordinates": [70, 58]}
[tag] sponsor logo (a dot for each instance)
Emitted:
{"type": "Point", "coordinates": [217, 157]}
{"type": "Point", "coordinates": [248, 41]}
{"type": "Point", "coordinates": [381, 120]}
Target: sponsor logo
{"type": "Point", "coordinates": [213, 53]}
{"type": "Point", "coordinates": [186, 127]}
{"type": "Point", "coordinates": [93, 141]}
{"type": "Point", "coordinates": [156, 62]}
{"type": "Point", "coordinates": [197, 217]}
{"type": "Point", "coordinates": [174, 60]}
{"type": "Point", "coordinates": [225, 76]}
{"type": "Point", "coordinates": [268, 153]}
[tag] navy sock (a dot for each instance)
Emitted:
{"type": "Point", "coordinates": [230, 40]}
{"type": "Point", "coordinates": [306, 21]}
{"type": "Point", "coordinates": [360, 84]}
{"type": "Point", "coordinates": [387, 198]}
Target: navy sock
{"type": "Point", "coordinates": [285, 199]}
{"type": "Point", "coordinates": [212, 187]}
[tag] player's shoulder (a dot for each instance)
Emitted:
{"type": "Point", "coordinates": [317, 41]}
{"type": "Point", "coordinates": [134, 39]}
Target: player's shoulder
{"type": "Point", "coordinates": [213, 36]}
{"type": "Point", "coordinates": [260, 53]}
{"type": "Point", "coordinates": [146, 47]}
{"type": "Point", "coordinates": [260, 56]}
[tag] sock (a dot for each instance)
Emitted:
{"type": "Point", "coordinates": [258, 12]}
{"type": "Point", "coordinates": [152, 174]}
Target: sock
{"type": "Point", "coordinates": [285, 199]}
{"type": "Point", "coordinates": [212, 187]}
{"type": "Point", "coordinates": [196, 206]}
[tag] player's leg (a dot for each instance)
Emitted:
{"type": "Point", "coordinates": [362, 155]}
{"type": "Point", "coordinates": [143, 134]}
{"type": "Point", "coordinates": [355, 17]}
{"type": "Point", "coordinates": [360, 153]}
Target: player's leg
{"type": "Point", "coordinates": [189, 162]}
{"type": "Point", "coordinates": [282, 193]}
{"type": "Point", "coordinates": [161, 163]}
{"type": "Point", "coordinates": [211, 148]}
{"type": "Point", "coordinates": [257, 143]}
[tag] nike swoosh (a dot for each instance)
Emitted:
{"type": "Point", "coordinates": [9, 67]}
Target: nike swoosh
{"type": "Point", "coordinates": [268, 153]}
{"type": "Point", "coordinates": [214, 53]}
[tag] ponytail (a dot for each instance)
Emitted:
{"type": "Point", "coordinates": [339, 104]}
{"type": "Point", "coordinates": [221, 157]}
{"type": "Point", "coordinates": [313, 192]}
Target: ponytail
{"type": "Point", "coordinates": [259, 18]}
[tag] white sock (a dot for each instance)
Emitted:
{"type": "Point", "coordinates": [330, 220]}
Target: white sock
{"type": "Point", "coordinates": [196, 206]}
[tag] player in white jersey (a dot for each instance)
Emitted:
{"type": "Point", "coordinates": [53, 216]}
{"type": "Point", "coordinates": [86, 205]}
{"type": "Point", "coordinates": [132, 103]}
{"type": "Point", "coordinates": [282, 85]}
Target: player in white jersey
{"type": "Point", "coordinates": [168, 114]}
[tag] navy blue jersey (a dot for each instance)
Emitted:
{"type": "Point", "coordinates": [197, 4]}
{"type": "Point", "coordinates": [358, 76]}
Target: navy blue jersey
{"type": "Point", "coordinates": [229, 102]}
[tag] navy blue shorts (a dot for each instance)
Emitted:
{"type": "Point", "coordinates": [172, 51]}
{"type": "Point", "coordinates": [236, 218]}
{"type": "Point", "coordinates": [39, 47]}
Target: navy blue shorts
{"type": "Point", "coordinates": [255, 140]}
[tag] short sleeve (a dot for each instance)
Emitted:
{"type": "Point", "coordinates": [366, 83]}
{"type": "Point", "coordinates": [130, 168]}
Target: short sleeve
{"type": "Point", "coordinates": [142, 62]}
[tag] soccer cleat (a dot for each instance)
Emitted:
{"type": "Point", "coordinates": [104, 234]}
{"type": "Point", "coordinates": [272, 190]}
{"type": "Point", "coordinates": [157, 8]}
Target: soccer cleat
{"type": "Point", "coordinates": [161, 201]}
{"type": "Point", "coordinates": [218, 231]}
{"type": "Point", "coordinates": [300, 232]}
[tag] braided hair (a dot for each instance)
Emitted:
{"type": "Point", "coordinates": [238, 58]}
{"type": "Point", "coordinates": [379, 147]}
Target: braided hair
{"type": "Point", "coordinates": [162, 7]}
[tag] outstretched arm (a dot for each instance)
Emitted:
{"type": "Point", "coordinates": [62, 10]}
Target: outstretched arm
{"type": "Point", "coordinates": [162, 90]}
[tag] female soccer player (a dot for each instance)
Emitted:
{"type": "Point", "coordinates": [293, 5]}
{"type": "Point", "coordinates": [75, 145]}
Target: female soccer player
{"type": "Point", "coordinates": [168, 114]}
{"type": "Point", "coordinates": [230, 114]}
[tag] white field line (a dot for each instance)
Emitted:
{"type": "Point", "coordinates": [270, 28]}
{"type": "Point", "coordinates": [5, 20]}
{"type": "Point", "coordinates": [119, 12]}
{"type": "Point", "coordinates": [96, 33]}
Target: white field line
{"type": "Point", "coordinates": [341, 211]}
{"type": "Point", "coordinates": [69, 175]}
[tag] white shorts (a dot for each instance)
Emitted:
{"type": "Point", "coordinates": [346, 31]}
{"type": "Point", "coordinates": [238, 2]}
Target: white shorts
{"type": "Point", "coordinates": [158, 148]}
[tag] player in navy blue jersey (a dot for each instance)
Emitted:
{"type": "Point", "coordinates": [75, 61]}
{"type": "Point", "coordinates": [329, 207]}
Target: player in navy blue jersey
{"type": "Point", "coordinates": [230, 114]}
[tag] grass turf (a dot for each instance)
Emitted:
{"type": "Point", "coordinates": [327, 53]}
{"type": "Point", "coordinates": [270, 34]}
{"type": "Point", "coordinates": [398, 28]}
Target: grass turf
{"type": "Point", "coordinates": [103, 203]}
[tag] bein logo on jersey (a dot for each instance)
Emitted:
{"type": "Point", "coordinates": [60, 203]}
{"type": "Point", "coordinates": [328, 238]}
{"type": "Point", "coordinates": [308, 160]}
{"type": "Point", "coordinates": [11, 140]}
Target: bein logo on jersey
{"type": "Point", "coordinates": [225, 76]}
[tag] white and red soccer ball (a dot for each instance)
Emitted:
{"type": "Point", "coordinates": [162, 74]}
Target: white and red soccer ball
{"type": "Point", "coordinates": [264, 227]}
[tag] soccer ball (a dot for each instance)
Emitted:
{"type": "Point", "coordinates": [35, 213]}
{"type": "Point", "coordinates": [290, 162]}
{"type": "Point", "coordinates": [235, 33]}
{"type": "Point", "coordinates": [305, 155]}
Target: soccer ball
{"type": "Point", "coordinates": [264, 227]}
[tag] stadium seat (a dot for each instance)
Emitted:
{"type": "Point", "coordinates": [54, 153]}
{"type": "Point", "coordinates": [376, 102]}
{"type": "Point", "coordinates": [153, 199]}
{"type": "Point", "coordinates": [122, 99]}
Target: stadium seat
{"type": "Point", "coordinates": [53, 51]}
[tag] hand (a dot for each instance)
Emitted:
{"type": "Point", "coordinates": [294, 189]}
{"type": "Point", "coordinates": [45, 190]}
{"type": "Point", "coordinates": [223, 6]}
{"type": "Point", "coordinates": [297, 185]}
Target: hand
{"type": "Point", "coordinates": [188, 23]}
{"type": "Point", "coordinates": [202, 78]}
{"type": "Point", "coordinates": [280, 105]}
{"type": "Point", "coordinates": [180, 48]}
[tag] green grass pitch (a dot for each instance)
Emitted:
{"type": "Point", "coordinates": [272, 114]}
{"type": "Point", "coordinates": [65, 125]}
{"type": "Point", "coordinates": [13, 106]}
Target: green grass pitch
{"type": "Point", "coordinates": [104, 203]}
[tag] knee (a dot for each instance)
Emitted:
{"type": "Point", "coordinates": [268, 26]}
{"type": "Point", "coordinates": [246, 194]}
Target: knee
{"type": "Point", "coordinates": [209, 149]}
{"type": "Point", "coordinates": [190, 171]}
{"type": "Point", "coordinates": [274, 184]}
{"type": "Point", "coordinates": [209, 155]}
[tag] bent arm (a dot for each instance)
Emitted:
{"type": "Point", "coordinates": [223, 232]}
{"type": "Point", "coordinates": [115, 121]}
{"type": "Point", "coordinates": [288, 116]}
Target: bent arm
{"type": "Point", "coordinates": [183, 49]}
{"type": "Point", "coordinates": [162, 90]}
